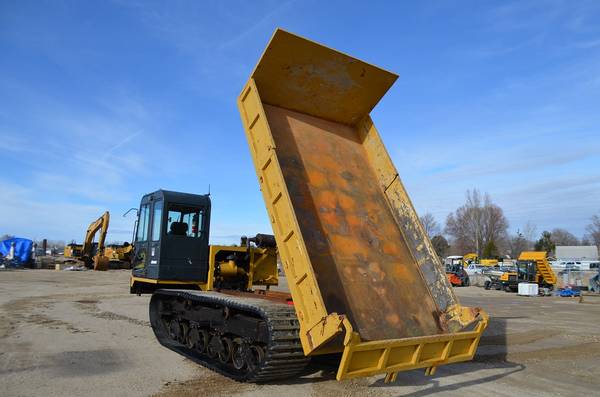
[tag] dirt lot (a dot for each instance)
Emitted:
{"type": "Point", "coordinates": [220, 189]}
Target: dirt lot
{"type": "Point", "coordinates": [81, 333]}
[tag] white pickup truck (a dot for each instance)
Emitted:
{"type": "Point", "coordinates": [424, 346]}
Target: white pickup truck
{"type": "Point", "coordinates": [473, 268]}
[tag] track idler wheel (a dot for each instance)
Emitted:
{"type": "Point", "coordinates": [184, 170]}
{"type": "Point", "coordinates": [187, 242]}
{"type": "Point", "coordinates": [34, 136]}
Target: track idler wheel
{"type": "Point", "coordinates": [237, 358]}
{"type": "Point", "coordinates": [203, 342]}
{"type": "Point", "coordinates": [185, 330]}
{"type": "Point", "coordinates": [193, 337]}
{"type": "Point", "coordinates": [227, 350]}
{"type": "Point", "coordinates": [174, 330]}
{"type": "Point", "coordinates": [254, 356]}
{"type": "Point", "coordinates": [214, 346]}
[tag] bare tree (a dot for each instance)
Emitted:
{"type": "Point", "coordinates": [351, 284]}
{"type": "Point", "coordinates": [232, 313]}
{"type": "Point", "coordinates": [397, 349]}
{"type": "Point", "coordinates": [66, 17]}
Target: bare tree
{"type": "Point", "coordinates": [517, 244]}
{"type": "Point", "coordinates": [593, 230]}
{"type": "Point", "coordinates": [563, 237]}
{"type": "Point", "coordinates": [477, 224]}
{"type": "Point", "coordinates": [440, 245]}
{"type": "Point", "coordinates": [530, 232]}
{"type": "Point", "coordinates": [430, 225]}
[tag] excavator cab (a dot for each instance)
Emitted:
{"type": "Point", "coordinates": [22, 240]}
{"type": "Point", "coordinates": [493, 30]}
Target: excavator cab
{"type": "Point", "coordinates": [171, 237]}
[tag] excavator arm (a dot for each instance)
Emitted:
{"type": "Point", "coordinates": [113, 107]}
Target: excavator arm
{"type": "Point", "coordinates": [99, 261]}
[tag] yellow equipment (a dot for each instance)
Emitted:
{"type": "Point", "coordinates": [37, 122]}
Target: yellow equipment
{"type": "Point", "coordinates": [532, 267]}
{"type": "Point", "coordinates": [474, 258]}
{"type": "Point", "coordinates": [488, 262]}
{"type": "Point", "coordinates": [119, 252]}
{"type": "Point", "coordinates": [91, 254]}
{"type": "Point", "coordinates": [97, 255]}
{"type": "Point", "coordinates": [470, 258]}
{"type": "Point", "coordinates": [96, 259]}
{"type": "Point", "coordinates": [72, 250]}
{"type": "Point", "coordinates": [365, 280]}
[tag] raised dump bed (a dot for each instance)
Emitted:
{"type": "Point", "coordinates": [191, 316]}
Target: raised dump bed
{"type": "Point", "coordinates": [363, 275]}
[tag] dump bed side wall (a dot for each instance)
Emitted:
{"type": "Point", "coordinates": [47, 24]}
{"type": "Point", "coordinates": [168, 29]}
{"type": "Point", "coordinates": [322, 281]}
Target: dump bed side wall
{"type": "Point", "coordinates": [406, 216]}
{"type": "Point", "coordinates": [301, 278]}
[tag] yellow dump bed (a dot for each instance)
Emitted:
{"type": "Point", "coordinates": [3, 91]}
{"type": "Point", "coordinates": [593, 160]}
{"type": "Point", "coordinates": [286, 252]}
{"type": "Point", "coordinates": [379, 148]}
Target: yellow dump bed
{"type": "Point", "coordinates": [362, 272]}
{"type": "Point", "coordinates": [542, 265]}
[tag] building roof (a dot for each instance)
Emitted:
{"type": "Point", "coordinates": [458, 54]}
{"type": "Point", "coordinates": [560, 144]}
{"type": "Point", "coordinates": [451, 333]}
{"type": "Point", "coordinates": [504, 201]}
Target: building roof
{"type": "Point", "coordinates": [582, 252]}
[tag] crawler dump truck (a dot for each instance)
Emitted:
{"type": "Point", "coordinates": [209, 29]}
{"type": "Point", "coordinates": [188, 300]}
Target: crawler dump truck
{"type": "Point", "coordinates": [364, 279]}
{"type": "Point", "coordinates": [532, 267]}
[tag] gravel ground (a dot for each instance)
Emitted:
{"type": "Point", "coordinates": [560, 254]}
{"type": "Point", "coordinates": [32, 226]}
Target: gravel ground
{"type": "Point", "coordinates": [82, 333]}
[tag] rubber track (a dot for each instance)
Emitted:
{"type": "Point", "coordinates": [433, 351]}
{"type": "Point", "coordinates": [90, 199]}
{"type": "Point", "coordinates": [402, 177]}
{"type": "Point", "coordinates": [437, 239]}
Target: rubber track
{"type": "Point", "coordinates": [284, 356]}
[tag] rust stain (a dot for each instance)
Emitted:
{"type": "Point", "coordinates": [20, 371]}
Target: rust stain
{"type": "Point", "coordinates": [362, 262]}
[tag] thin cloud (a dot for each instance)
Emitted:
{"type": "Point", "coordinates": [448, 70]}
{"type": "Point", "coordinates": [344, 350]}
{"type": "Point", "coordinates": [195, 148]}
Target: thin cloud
{"type": "Point", "coordinates": [261, 23]}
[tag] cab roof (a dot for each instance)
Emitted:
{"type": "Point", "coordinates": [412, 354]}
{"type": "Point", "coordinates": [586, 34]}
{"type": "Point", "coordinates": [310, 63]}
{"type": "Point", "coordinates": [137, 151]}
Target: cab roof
{"type": "Point", "coordinates": [201, 200]}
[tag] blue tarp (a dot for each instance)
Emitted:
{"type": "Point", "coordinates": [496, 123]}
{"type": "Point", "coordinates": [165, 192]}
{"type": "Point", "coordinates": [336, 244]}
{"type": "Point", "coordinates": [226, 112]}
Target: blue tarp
{"type": "Point", "coordinates": [22, 248]}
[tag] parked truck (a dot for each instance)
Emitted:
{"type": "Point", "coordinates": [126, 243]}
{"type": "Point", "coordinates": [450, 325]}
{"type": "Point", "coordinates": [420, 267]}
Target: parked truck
{"type": "Point", "coordinates": [531, 267]}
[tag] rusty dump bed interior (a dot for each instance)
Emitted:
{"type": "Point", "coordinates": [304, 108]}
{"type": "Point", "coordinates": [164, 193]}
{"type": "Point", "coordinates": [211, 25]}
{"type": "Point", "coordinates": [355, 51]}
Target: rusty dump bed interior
{"type": "Point", "coordinates": [363, 266]}
{"type": "Point", "coordinates": [359, 264]}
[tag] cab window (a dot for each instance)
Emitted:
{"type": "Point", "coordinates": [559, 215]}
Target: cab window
{"type": "Point", "coordinates": [184, 220]}
{"type": "Point", "coordinates": [143, 223]}
{"type": "Point", "coordinates": [156, 220]}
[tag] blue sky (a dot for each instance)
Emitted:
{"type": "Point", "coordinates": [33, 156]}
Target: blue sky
{"type": "Point", "coordinates": [101, 102]}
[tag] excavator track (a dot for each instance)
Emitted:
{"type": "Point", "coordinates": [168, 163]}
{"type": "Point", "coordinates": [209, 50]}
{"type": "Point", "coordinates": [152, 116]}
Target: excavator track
{"type": "Point", "coordinates": [246, 339]}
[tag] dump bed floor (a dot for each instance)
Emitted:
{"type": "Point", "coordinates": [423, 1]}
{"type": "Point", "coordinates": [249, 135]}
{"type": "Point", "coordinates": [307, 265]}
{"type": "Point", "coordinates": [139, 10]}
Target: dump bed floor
{"type": "Point", "coordinates": [363, 266]}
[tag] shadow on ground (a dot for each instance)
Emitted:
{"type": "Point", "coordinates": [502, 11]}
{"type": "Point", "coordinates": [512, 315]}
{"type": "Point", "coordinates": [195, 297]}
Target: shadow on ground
{"type": "Point", "coordinates": [492, 354]}
{"type": "Point", "coordinates": [493, 341]}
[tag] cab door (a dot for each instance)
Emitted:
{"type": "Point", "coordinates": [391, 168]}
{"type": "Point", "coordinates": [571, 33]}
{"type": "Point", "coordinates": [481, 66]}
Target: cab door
{"type": "Point", "coordinates": [141, 259]}
{"type": "Point", "coordinates": [155, 238]}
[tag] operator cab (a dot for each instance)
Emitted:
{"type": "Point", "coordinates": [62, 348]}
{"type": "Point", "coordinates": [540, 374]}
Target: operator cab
{"type": "Point", "coordinates": [171, 237]}
{"type": "Point", "coordinates": [527, 271]}
{"type": "Point", "coordinates": [454, 264]}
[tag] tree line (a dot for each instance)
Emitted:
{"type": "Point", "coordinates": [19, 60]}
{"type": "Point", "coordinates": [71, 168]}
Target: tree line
{"type": "Point", "coordinates": [480, 226]}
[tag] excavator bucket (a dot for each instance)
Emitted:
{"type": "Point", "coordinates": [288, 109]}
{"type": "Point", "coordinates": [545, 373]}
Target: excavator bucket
{"type": "Point", "coordinates": [363, 275]}
{"type": "Point", "coordinates": [101, 262]}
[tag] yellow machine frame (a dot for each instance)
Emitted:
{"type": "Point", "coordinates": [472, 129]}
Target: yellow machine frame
{"type": "Point", "coordinates": [263, 270]}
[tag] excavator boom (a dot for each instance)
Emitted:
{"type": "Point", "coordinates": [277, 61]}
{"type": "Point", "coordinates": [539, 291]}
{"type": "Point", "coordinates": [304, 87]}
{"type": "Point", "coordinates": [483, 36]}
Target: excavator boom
{"type": "Point", "coordinates": [100, 262]}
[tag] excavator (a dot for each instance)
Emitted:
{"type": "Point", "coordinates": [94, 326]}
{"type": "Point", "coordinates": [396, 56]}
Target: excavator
{"type": "Point", "coordinates": [99, 256]}
{"type": "Point", "coordinates": [364, 279]}
{"type": "Point", "coordinates": [92, 255]}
